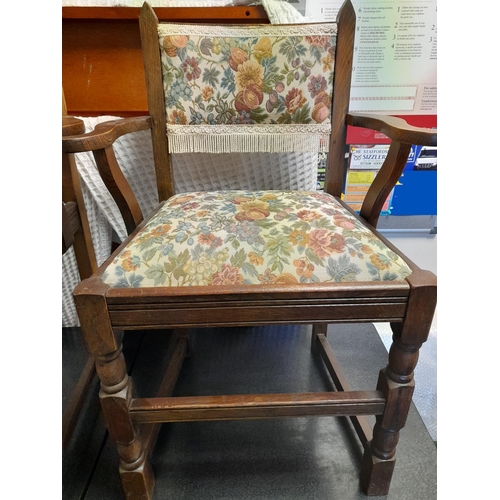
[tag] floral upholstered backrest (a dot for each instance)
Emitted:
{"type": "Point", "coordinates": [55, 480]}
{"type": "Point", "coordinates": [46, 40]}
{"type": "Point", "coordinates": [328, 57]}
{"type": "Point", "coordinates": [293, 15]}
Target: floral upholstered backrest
{"type": "Point", "coordinates": [258, 88]}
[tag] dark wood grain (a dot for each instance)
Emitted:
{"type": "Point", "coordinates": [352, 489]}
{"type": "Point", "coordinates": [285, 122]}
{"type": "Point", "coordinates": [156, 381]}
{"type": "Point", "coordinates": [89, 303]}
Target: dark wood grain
{"type": "Point", "coordinates": [156, 102]}
{"type": "Point", "coordinates": [253, 406]}
{"type": "Point", "coordinates": [335, 169]}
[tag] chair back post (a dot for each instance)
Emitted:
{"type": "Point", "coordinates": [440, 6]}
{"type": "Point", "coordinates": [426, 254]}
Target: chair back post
{"type": "Point", "coordinates": [148, 23]}
{"type": "Point", "coordinates": [335, 170]}
{"type": "Point", "coordinates": [72, 192]}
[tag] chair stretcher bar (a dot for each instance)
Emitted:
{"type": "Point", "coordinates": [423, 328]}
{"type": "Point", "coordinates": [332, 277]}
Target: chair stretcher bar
{"type": "Point", "coordinates": [252, 406]}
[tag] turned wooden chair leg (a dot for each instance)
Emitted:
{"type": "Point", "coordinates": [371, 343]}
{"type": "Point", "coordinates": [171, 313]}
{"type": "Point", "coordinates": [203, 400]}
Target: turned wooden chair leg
{"type": "Point", "coordinates": [115, 395]}
{"type": "Point", "coordinates": [397, 383]}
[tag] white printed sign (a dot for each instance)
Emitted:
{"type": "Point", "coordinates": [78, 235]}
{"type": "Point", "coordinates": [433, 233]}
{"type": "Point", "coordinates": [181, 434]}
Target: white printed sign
{"type": "Point", "coordinates": [395, 54]}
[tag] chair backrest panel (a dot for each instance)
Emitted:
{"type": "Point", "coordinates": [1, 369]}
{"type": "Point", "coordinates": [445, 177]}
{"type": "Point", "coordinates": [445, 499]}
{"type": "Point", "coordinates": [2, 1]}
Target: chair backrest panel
{"type": "Point", "coordinates": [244, 89]}
{"type": "Point", "coordinates": [264, 88]}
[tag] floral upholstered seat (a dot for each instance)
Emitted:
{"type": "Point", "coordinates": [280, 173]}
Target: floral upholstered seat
{"type": "Point", "coordinates": [250, 238]}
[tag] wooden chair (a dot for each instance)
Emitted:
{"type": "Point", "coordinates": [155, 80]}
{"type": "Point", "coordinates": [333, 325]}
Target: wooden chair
{"type": "Point", "coordinates": [75, 234]}
{"type": "Point", "coordinates": [244, 258]}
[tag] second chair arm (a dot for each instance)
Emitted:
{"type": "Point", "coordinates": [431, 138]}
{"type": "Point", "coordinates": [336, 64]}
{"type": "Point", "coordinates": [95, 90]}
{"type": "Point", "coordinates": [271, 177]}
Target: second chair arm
{"type": "Point", "coordinates": [403, 136]}
{"type": "Point", "coordinates": [105, 134]}
{"type": "Point", "coordinates": [100, 142]}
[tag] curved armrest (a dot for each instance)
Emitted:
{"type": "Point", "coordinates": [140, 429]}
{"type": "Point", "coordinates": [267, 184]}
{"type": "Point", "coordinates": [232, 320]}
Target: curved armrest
{"type": "Point", "coordinates": [403, 136]}
{"type": "Point", "coordinates": [100, 143]}
{"type": "Point", "coordinates": [105, 134]}
{"type": "Point", "coordinates": [395, 128]}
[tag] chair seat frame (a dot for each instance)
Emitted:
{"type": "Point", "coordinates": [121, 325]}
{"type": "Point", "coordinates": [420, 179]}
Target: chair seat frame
{"type": "Point", "coordinates": [407, 305]}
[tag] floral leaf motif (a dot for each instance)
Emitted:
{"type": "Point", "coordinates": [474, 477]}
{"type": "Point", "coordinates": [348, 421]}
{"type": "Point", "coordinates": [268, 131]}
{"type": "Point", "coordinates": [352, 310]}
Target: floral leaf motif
{"type": "Point", "coordinates": [311, 255]}
{"type": "Point", "coordinates": [372, 269]}
{"type": "Point", "coordinates": [302, 115]}
{"type": "Point", "coordinates": [182, 53]}
{"type": "Point", "coordinates": [342, 269]}
{"type": "Point", "coordinates": [227, 81]}
{"type": "Point", "coordinates": [156, 273]}
{"type": "Point", "coordinates": [291, 48]}
{"type": "Point", "coordinates": [285, 118]}
{"type": "Point", "coordinates": [135, 280]}
{"type": "Point", "coordinates": [238, 259]}
{"type": "Point", "coordinates": [249, 269]}
{"type": "Point", "coordinates": [258, 115]}
{"type": "Point", "coordinates": [211, 76]}
{"type": "Point", "coordinates": [388, 276]}
{"type": "Point", "coordinates": [149, 254]}
{"type": "Point", "coordinates": [206, 46]}
{"type": "Point", "coordinates": [316, 52]}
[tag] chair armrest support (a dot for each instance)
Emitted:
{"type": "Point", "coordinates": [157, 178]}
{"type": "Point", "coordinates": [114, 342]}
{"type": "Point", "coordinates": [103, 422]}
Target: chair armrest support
{"type": "Point", "coordinates": [100, 143]}
{"type": "Point", "coordinates": [395, 128]}
{"type": "Point", "coordinates": [105, 134]}
{"type": "Point", "coordinates": [402, 136]}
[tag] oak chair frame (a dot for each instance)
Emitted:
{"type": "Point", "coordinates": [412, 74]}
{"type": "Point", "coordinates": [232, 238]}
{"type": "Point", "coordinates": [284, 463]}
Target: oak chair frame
{"type": "Point", "coordinates": [76, 234]}
{"type": "Point", "coordinates": [408, 305]}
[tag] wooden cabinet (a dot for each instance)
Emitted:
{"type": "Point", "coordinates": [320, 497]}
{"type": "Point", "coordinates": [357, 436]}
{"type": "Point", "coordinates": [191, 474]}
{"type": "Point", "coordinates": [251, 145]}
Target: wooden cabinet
{"type": "Point", "coordinates": [102, 71]}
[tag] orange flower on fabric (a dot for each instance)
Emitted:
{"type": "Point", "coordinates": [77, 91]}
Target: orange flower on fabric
{"type": "Point", "coordinates": [294, 100]}
{"type": "Point", "coordinates": [379, 263]}
{"type": "Point", "coordinates": [303, 269]}
{"type": "Point", "coordinates": [253, 210]}
{"type": "Point", "coordinates": [177, 118]}
{"type": "Point", "coordinates": [320, 113]}
{"type": "Point", "coordinates": [181, 199]}
{"type": "Point", "coordinates": [228, 275]}
{"type": "Point", "coordinates": [237, 57]}
{"type": "Point", "coordinates": [327, 62]}
{"type": "Point", "coordinates": [286, 279]}
{"type": "Point", "coordinates": [250, 98]}
{"type": "Point", "coordinates": [179, 41]}
{"type": "Point", "coordinates": [129, 262]}
{"type": "Point", "coordinates": [318, 41]}
{"type": "Point", "coordinates": [255, 259]}
{"type": "Point", "coordinates": [172, 43]}
{"type": "Point", "coordinates": [249, 72]}
{"type": "Point", "coordinates": [324, 242]}
{"type": "Point", "coordinates": [308, 215]}
{"type": "Point", "coordinates": [298, 238]}
{"type": "Point", "coordinates": [325, 98]}
{"type": "Point", "coordinates": [343, 222]}
{"type": "Point", "coordinates": [263, 49]}
{"type": "Point", "coordinates": [207, 92]}
{"type": "Point", "coordinates": [160, 230]}
{"type": "Point", "coordinates": [206, 239]}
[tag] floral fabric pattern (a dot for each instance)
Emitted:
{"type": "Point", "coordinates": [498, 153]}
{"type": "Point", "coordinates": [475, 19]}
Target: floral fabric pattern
{"type": "Point", "coordinates": [236, 78]}
{"type": "Point", "coordinates": [253, 237]}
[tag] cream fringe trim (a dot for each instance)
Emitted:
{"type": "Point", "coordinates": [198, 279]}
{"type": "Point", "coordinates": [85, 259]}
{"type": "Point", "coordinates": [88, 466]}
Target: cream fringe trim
{"type": "Point", "coordinates": [237, 139]}
{"type": "Point", "coordinates": [244, 31]}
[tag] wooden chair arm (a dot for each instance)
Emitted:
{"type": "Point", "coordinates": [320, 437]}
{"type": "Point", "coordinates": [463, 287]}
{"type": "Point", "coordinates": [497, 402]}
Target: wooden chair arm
{"type": "Point", "coordinates": [100, 142]}
{"type": "Point", "coordinates": [105, 134]}
{"type": "Point", "coordinates": [402, 136]}
{"type": "Point", "coordinates": [395, 128]}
